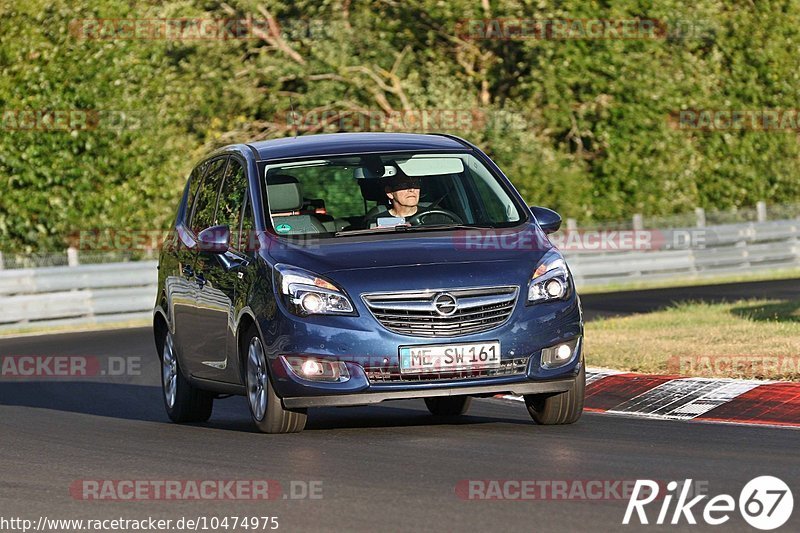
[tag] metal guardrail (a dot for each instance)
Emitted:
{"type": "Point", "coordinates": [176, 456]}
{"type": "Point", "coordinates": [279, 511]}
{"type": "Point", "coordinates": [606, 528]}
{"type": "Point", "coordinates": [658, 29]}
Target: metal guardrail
{"type": "Point", "coordinates": [729, 249]}
{"type": "Point", "coordinates": [112, 292]}
{"type": "Point", "coordinates": [83, 294]}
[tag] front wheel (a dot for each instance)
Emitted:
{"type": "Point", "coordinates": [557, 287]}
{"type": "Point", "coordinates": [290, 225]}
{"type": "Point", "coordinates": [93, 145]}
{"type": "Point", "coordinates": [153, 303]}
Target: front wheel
{"type": "Point", "coordinates": [183, 401]}
{"type": "Point", "coordinates": [559, 408]}
{"type": "Point", "coordinates": [448, 405]}
{"type": "Point", "coordinates": [266, 408]}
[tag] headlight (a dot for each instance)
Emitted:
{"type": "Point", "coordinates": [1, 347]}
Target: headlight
{"type": "Point", "coordinates": [550, 280]}
{"type": "Point", "coordinates": [306, 293]}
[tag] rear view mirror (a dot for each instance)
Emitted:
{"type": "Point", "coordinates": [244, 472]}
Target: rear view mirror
{"type": "Point", "coordinates": [548, 219]}
{"type": "Point", "coordinates": [419, 166]}
{"type": "Point", "coordinates": [416, 166]}
{"type": "Point", "coordinates": [215, 239]}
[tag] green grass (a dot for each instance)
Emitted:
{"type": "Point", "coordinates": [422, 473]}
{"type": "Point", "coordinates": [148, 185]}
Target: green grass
{"type": "Point", "coordinates": [754, 339]}
{"type": "Point", "coordinates": [789, 273]}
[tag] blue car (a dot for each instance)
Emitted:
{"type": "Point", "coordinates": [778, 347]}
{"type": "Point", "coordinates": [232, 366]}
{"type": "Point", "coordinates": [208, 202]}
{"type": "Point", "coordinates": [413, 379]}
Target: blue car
{"type": "Point", "coordinates": [354, 268]}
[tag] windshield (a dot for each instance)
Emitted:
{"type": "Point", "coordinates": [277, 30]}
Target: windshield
{"type": "Point", "coordinates": [376, 193]}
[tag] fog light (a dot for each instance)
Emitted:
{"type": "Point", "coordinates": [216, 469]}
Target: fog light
{"type": "Point", "coordinates": [563, 352]}
{"type": "Point", "coordinates": [317, 369]}
{"type": "Point", "coordinates": [560, 354]}
{"type": "Point", "coordinates": [312, 303]}
{"type": "Point", "coordinates": [554, 288]}
{"type": "Point", "coordinates": [312, 368]}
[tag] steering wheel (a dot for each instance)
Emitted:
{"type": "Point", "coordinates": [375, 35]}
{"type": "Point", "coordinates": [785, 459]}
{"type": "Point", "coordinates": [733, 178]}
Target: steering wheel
{"type": "Point", "coordinates": [419, 217]}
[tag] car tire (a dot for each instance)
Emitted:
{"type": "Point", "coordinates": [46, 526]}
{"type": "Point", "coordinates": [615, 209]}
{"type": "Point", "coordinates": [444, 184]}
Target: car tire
{"type": "Point", "coordinates": [560, 408]}
{"type": "Point", "coordinates": [266, 408]}
{"type": "Point", "coordinates": [448, 405]}
{"type": "Point", "coordinates": [183, 401]}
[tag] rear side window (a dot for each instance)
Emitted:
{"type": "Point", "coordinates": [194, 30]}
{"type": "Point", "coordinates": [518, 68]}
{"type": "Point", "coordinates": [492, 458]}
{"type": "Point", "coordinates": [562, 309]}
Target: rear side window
{"type": "Point", "coordinates": [194, 183]}
{"type": "Point", "coordinates": [205, 207]}
{"type": "Point", "coordinates": [231, 197]}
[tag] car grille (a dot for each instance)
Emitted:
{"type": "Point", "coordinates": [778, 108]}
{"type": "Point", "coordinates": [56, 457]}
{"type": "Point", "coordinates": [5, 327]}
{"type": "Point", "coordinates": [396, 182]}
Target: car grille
{"type": "Point", "coordinates": [443, 313]}
{"type": "Point", "coordinates": [509, 367]}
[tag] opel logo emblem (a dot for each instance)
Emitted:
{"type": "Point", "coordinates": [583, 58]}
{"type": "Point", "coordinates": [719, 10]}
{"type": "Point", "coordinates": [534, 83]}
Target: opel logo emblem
{"type": "Point", "coordinates": [445, 304]}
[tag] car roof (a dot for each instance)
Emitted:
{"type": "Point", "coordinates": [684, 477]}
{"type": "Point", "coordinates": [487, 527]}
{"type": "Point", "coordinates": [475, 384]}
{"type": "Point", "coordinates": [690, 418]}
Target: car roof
{"type": "Point", "coordinates": [330, 144]}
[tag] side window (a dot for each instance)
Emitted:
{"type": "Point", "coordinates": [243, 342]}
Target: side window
{"type": "Point", "coordinates": [231, 196]}
{"type": "Point", "coordinates": [492, 202]}
{"type": "Point", "coordinates": [206, 204]}
{"type": "Point", "coordinates": [194, 183]}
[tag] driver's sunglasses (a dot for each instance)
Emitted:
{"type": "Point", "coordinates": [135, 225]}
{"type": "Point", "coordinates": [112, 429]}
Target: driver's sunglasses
{"type": "Point", "coordinates": [405, 183]}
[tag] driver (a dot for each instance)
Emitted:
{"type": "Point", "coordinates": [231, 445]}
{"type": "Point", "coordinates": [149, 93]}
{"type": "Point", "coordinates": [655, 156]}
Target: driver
{"type": "Point", "coordinates": [403, 193]}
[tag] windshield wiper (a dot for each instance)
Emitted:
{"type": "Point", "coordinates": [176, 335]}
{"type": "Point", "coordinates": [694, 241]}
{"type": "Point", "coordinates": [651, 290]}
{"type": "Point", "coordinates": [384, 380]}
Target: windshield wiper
{"type": "Point", "coordinates": [444, 226]}
{"type": "Point", "coordinates": [405, 228]}
{"type": "Point", "coordinates": [387, 229]}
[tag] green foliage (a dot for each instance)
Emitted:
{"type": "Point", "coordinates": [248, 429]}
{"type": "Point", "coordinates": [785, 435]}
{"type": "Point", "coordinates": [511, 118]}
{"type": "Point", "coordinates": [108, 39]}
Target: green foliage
{"type": "Point", "coordinates": [579, 125]}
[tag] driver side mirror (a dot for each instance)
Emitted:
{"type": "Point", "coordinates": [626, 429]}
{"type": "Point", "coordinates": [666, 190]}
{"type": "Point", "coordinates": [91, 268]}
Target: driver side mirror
{"type": "Point", "coordinates": [548, 219]}
{"type": "Point", "coordinates": [215, 239]}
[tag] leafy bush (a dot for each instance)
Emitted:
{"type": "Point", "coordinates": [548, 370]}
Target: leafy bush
{"type": "Point", "coordinates": [579, 125]}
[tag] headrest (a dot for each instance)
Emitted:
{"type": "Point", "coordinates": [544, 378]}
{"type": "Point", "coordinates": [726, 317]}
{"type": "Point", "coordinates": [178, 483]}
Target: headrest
{"type": "Point", "coordinates": [373, 189]}
{"type": "Point", "coordinates": [284, 193]}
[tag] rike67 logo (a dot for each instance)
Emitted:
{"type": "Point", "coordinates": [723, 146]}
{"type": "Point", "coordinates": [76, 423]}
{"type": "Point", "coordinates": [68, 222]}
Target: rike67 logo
{"type": "Point", "coordinates": [765, 503]}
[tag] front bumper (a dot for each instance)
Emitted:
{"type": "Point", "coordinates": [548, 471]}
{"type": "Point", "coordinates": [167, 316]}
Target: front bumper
{"type": "Point", "coordinates": [366, 347]}
{"type": "Point", "coordinates": [377, 395]}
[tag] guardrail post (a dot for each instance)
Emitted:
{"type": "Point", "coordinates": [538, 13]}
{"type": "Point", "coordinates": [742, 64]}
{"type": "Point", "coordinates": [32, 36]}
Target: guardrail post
{"type": "Point", "coordinates": [700, 214]}
{"type": "Point", "coordinates": [638, 222]}
{"type": "Point", "coordinates": [761, 211]}
{"type": "Point", "coordinates": [72, 256]}
{"type": "Point", "coordinates": [2, 263]}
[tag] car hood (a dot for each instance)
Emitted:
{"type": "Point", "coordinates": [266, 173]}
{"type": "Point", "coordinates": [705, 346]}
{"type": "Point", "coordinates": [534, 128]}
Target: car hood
{"type": "Point", "coordinates": [402, 255]}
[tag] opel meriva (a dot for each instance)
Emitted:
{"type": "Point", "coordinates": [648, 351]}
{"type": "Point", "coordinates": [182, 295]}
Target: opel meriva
{"type": "Point", "coordinates": [354, 268]}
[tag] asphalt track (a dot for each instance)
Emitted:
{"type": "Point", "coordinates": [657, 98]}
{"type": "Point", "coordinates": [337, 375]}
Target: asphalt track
{"type": "Point", "coordinates": [644, 301]}
{"type": "Point", "coordinates": [385, 467]}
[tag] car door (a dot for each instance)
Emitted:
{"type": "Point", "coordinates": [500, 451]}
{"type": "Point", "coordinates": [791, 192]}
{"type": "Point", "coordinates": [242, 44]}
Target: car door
{"type": "Point", "coordinates": [202, 338]}
{"type": "Point", "coordinates": [180, 285]}
{"type": "Point", "coordinates": [217, 275]}
{"type": "Point", "coordinates": [246, 281]}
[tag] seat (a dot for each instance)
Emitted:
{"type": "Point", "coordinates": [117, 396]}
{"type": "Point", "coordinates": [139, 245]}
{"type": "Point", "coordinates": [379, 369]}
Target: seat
{"type": "Point", "coordinates": [285, 197]}
{"type": "Point", "coordinates": [331, 224]}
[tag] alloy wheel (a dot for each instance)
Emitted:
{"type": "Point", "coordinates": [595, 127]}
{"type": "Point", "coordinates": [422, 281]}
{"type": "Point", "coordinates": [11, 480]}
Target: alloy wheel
{"type": "Point", "coordinates": [169, 371]}
{"type": "Point", "coordinates": [256, 379]}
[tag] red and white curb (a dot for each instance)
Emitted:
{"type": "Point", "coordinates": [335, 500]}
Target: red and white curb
{"type": "Point", "coordinates": [774, 403]}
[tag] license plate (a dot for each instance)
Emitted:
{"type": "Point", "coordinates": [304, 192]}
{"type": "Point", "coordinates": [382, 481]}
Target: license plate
{"type": "Point", "coordinates": [438, 358]}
